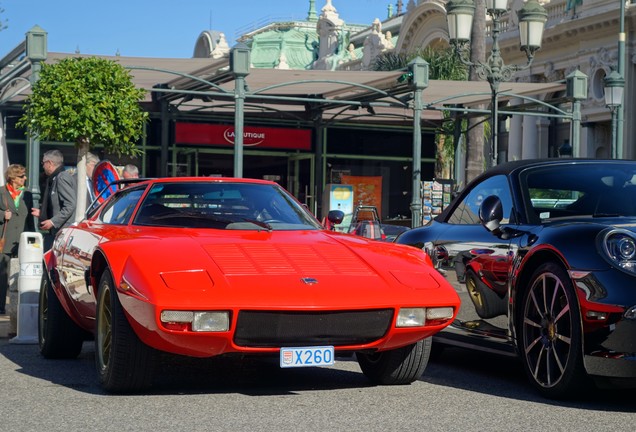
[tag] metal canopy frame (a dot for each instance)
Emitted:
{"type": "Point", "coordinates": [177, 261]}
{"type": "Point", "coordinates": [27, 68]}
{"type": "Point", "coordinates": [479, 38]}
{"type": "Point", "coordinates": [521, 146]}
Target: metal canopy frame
{"type": "Point", "coordinates": [306, 97]}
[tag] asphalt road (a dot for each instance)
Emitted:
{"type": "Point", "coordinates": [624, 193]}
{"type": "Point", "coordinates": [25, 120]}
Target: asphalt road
{"type": "Point", "coordinates": [461, 391]}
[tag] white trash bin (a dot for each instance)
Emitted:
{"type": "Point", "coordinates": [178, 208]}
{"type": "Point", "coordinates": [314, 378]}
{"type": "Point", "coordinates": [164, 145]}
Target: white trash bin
{"type": "Point", "coordinates": [30, 256]}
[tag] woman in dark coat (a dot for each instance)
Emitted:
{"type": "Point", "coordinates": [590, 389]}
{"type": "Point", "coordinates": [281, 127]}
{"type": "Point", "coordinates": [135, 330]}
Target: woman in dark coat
{"type": "Point", "coordinates": [15, 218]}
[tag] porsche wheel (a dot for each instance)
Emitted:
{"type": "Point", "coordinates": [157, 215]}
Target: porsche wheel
{"type": "Point", "coordinates": [124, 363]}
{"type": "Point", "coordinates": [399, 366]}
{"type": "Point", "coordinates": [551, 337]}
{"type": "Point", "coordinates": [487, 303]}
{"type": "Point", "coordinates": [58, 335]}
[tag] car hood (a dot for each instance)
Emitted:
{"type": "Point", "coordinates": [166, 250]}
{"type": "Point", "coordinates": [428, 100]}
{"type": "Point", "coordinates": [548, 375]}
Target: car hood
{"type": "Point", "coordinates": [276, 268]}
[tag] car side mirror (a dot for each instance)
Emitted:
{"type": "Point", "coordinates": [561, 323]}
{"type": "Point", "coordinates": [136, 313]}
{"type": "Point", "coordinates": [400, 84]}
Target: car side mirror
{"type": "Point", "coordinates": [335, 216]}
{"type": "Point", "coordinates": [491, 214]}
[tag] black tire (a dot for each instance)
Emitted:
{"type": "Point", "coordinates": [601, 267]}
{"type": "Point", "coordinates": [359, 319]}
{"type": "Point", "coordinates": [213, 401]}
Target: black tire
{"type": "Point", "coordinates": [551, 337]}
{"type": "Point", "coordinates": [395, 367]}
{"type": "Point", "coordinates": [487, 303]}
{"type": "Point", "coordinates": [58, 335]}
{"type": "Point", "coordinates": [124, 363]}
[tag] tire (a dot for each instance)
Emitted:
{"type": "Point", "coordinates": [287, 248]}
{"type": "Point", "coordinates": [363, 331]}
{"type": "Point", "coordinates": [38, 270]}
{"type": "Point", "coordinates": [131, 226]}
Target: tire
{"type": "Point", "coordinates": [58, 335]}
{"type": "Point", "coordinates": [487, 303]}
{"type": "Point", "coordinates": [124, 363]}
{"type": "Point", "coordinates": [396, 367]}
{"type": "Point", "coordinates": [551, 345]}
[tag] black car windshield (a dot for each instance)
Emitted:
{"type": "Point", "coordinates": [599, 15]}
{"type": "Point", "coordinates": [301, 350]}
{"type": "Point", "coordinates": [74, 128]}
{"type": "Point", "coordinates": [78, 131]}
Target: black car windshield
{"type": "Point", "coordinates": [587, 189]}
{"type": "Point", "coordinates": [223, 205]}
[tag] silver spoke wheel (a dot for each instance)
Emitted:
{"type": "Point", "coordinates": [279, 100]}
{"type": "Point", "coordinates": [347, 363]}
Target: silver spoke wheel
{"type": "Point", "coordinates": [551, 339]}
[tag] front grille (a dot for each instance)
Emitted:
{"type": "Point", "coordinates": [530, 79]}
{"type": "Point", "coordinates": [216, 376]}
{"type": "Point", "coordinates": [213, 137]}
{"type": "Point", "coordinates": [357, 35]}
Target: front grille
{"type": "Point", "coordinates": [277, 329]}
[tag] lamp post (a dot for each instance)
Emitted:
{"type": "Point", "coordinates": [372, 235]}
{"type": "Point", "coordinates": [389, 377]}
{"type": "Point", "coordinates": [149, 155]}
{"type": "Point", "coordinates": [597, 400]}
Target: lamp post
{"type": "Point", "coordinates": [621, 71]}
{"type": "Point", "coordinates": [240, 66]}
{"type": "Point", "coordinates": [36, 52]}
{"type": "Point", "coordinates": [418, 79]}
{"type": "Point", "coordinates": [532, 18]}
{"type": "Point", "coordinates": [614, 86]}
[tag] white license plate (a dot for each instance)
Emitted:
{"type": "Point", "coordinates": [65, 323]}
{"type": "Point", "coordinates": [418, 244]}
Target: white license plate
{"type": "Point", "coordinates": [306, 356]}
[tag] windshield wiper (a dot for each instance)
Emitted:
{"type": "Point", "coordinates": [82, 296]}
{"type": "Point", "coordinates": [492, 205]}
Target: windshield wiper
{"type": "Point", "coordinates": [261, 224]}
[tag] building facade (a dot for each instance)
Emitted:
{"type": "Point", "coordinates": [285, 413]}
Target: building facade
{"type": "Point", "coordinates": [365, 147]}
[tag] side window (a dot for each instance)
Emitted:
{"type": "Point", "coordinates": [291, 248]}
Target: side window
{"type": "Point", "coordinates": [119, 210]}
{"type": "Point", "coordinates": [467, 212]}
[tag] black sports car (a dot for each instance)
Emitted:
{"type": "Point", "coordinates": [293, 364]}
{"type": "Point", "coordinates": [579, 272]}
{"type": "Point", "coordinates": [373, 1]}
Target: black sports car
{"type": "Point", "coordinates": [544, 254]}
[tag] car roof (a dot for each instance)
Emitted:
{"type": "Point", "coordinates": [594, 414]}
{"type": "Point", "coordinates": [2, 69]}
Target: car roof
{"type": "Point", "coordinates": [513, 168]}
{"type": "Point", "coordinates": [508, 168]}
{"type": "Point", "coordinates": [207, 180]}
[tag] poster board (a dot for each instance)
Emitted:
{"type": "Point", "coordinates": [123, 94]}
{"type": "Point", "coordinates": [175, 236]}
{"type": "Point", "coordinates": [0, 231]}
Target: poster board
{"type": "Point", "coordinates": [367, 190]}
{"type": "Point", "coordinates": [436, 196]}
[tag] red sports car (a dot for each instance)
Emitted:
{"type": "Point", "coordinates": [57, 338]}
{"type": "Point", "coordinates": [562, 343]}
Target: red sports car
{"type": "Point", "coordinates": [208, 266]}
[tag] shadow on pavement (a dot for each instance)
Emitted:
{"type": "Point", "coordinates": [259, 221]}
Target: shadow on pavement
{"type": "Point", "coordinates": [503, 376]}
{"type": "Point", "coordinates": [183, 375]}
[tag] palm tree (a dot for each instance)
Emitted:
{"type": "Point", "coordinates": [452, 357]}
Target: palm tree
{"type": "Point", "coordinates": [443, 65]}
{"type": "Point", "coordinates": [475, 136]}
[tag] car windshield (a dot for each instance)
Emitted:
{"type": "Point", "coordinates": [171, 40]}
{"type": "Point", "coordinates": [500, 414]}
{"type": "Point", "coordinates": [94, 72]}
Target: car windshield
{"type": "Point", "coordinates": [223, 205]}
{"type": "Point", "coordinates": [598, 190]}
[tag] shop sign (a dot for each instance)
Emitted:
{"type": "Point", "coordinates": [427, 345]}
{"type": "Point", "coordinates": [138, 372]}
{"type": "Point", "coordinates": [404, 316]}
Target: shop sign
{"type": "Point", "coordinates": [257, 137]}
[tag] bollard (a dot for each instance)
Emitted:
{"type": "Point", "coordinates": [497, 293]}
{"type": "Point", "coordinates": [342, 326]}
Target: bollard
{"type": "Point", "coordinates": [30, 255]}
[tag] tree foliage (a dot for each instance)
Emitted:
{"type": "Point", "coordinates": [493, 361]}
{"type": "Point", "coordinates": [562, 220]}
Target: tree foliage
{"type": "Point", "coordinates": [443, 65]}
{"type": "Point", "coordinates": [86, 100]}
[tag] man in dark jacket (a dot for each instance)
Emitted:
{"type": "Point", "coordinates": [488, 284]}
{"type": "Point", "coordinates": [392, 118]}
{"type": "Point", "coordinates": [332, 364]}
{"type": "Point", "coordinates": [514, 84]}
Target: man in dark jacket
{"type": "Point", "coordinates": [59, 197]}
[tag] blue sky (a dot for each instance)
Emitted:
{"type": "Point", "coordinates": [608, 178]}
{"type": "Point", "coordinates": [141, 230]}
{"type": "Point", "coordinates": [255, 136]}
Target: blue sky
{"type": "Point", "coordinates": [156, 28]}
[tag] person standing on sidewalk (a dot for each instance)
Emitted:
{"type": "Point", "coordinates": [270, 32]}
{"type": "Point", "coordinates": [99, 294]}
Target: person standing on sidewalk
{"type": "Point", "coordinates": [91, 161]}
{"type": "Point", "coordinates": [59, 198]}
{"type": "Point", "coordinates": [15, 203]}
{"type": "Point", "coordinates": [130, 171]}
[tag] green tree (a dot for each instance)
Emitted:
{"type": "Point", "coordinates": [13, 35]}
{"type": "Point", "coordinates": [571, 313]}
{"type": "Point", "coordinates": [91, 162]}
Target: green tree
{"type": "Point", "coordinates": [86, 100]}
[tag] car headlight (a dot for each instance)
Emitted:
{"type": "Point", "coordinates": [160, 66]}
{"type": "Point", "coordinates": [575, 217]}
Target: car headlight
{"type": "Point", "coordinates": [411, 317]}
{"type": "Point", "coordinates": [418, 317]}
{"type": "Point", "coordinates": [619, 248]}
{"type": "Point", "coordinates": [198, 321]}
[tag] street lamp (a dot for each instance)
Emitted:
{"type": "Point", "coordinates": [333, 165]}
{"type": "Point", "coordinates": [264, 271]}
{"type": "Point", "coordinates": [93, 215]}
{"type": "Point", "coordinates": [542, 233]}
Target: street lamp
{"type": "Point", "coordinates": [614, 86]}
{"type": "Point", "coordinates": [532, 18]}
{"type": "Point", "coordinates": [240, 67]}
{"type": "Point", "coordinates": [36, 52]}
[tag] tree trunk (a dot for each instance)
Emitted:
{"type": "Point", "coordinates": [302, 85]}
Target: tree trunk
{"type": "Point", "coordinates": [82, 192]}
{"type": "Point", "coordinates": [475, 137]}
{"type": "Point", "coordinates": [440, 161]}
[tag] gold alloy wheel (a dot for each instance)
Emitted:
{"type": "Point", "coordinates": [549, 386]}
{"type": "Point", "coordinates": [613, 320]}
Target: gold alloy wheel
{"type": "Point", "coordinates": [104, 327]}
{"type": "Point", "coordinates": [471, 287]}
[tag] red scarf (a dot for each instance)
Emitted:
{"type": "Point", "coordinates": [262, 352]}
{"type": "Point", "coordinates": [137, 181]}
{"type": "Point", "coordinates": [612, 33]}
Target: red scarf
{"type": "Point", "coordinates": [15, 193]}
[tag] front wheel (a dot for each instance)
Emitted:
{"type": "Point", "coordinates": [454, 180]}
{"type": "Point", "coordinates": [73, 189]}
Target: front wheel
{"type": "Point", "coordinates": [124, 363]}
{"type": "Point", "coordinates": [399, 366]}
{"type": "Point", "coordinates": [551, 338]}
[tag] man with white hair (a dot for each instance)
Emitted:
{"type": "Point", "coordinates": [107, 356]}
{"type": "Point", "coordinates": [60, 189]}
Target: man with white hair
{"type": "Point", "coordinates": [130, 171]}
{"type": "Point", "coordinates": [91, 161]}
{"type": "Point", "coordinates": [59, 198]}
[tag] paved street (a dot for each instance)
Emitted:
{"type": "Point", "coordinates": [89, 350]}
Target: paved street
{"type": "Point", "coordinates": [459, 392]}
